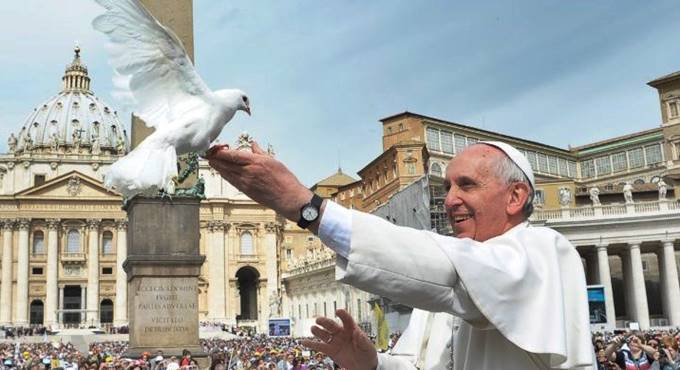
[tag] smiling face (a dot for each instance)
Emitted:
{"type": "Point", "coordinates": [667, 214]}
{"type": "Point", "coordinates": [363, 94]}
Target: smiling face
{"type": "Point", "coordinates": [480, 205]}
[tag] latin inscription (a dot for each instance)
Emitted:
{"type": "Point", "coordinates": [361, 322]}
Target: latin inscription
{"type": "Point", "coordinates": [168, 305]}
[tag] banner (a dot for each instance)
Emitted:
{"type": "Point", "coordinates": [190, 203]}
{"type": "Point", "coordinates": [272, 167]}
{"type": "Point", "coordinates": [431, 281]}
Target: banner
{"type": "Point", "coordinates": [596, 304]}
{"type": "Point", "coordinates": [383, 336]}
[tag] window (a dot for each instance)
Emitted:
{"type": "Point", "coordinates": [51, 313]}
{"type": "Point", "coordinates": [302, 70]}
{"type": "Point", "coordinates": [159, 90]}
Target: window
{"type": "Point", "coordinates": [653, 154]}
{"type": "Point", "coordinates": [460, 142]}
{"type": "Point", "coordinates": [316, 312]}
{"type": "Point", "coordinates": [542, 163]}
{"type": "Point", "coordinates": [572, 169]}
{"type": "Point", "coordinates": [552, 165]}
{"type": "Point", "coordinates": [564, 171]}
{"type": "Point", "coordinates": [447, 142]}
{"type": "Point", "coordinates": [436, 170]}
{"type": "Point", "coordinates": [38, 180]}
{"type": "Point", "coordinates": [673, 109]}
{"type": "Point", "coordinates": [644, 266]}
{"type": "Point", "coordinates": [603, 165]}
{"type": "Point", "coordinates": [539, 197]}
{"type": "Point", "coordinates": [247, 244]}
{"type": "Point", "coordinates": [411, 168]}
{"type": "Point", "coordinates": [107, 270]}
{"type": "Point", "coordinates": [38, 242]}
{"type": "Point", "coordinates": [401, 127]}
{"type": "Point", "coordinates": [289, 253]}
{"type": "Point", "coordinates": [358, 308]}
{"type": "Point", "coordinates": [636, 158]}
{"type": "Point", "coordinates": [107, 243]}
{"type": "Point", "coordinates": [531, 156]}
{"type": "Point", "coordinates": [619, 162]}
{"type": "Point", "coordinates": [325, 313]}
{"type": "Point", "coordinates": [73, 241]}
{"type": "Point", "coordinates": [37, 271]}
{"type": "Point", "coordinates": [588, 168]}
{"type": "Point", "coordinates": [472, 140]}
{"type": "Point", "coordinates": [433, 139]}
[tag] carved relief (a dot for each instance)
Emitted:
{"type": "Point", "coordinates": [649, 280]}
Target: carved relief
{"type": "Point", "coordinates": [24, 223]}
{"type": "Point", "coordinates": [73, 187]}
{"type": "Point", "coordinates": [53, 223]}
{"type": "Point", "coordinates": [93, 224]}
{"type": "Point", "coordinates": [121, 225]}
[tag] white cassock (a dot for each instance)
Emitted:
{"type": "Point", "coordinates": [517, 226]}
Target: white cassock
{"type": "Point", "coordinates": [521, 295]}
{"type": "Point", "coordinates": [425, 344]}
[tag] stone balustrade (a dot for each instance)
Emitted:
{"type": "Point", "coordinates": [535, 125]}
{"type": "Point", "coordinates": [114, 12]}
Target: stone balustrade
{"type": "Point", "coordinates": [607, 210]}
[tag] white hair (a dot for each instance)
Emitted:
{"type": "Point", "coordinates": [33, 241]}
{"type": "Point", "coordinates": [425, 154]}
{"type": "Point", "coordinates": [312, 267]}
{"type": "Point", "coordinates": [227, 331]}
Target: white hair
{"type": "Point", "coordinates": [509, 172]}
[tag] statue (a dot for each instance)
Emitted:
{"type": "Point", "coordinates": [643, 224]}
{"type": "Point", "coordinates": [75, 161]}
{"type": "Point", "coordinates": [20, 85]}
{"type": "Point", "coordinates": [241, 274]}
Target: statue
{"type": "Point", "coordinates": [96, 148]}
{"type": "Point", "coordinates": [662, 189]}
{"type": "Point", "coordinates": [270, 150]}
{"type": "Point", "coordinates": [28, 142]}
{"type": "Point", "coordinates": [244, 141]}
{"type": "Point", "coordinates": [120, 145]}
{"type": "Point", "coordinates": [274, 304]}
{"type": "Point", "coordinates": [565, 197]}
{"type": "Point", "coordinates": [595, 195]}
{"type": "Point", "coordinates": [197, 191]}
{"type": "Point", "coordinates": [75, 136]}
{"type": "Point", "coordinates": [12, 143]}
{"type": "Point", "coordinates": [628, 192]}
{"type": "Point", "coordinates": [54, 142]}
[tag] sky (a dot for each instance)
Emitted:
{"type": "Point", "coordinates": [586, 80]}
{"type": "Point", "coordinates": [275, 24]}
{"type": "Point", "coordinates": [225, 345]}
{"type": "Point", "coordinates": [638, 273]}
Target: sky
{"type": "Point", "coordinates": [321, 74]}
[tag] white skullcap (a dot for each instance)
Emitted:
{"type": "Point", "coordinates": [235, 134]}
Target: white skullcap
{"type": "Point", "coordinates": [516, 157]}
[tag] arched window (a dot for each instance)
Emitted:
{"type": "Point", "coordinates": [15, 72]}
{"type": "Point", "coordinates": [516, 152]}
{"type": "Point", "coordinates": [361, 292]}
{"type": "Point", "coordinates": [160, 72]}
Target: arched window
{"type": "Point", "coordinates": [38, 242]}
{"type": "Point", "coordinates": [247, 243]}
{"type": "Point", "coordinates": [107, 242]}
{"type": "Point", "coordinates": [73, 241]}
{"type": "Point", "coordinates": [436, 170]}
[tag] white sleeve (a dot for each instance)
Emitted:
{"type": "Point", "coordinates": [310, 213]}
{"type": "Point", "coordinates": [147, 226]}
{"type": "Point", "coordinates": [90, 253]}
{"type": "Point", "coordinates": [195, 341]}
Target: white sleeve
{"type": "Point", "coordinates": [335, 228]}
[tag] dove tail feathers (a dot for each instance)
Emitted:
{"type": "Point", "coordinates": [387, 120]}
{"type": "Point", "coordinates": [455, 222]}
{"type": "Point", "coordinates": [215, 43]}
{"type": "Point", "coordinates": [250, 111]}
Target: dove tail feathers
{"type": "Point", "coordinates": [144, 169]}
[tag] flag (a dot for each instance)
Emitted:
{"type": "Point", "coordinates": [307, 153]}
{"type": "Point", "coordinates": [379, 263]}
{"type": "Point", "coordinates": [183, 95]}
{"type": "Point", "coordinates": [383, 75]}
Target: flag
{"type": "Point", "coordinates": [383, 336]}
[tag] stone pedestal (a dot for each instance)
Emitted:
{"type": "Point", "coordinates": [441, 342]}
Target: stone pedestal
{"type": "Point", "coordinates": [162, 266]}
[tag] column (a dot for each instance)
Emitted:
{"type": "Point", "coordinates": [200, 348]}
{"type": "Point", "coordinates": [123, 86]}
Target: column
{"type": "Point", "coordinates": [216, 297]}
{"type": "Point", "coordinates": [21, 313]}
{"type": "Point", "coordinates": [271, 260]}
{"type": "Point", "coordinates": [6, 287]}
{"type": "Point", "coordinates": [52, 271]}
{"type": "Point", "coordinates": [605, 279]}
{"type": "Point", "coordinates": [93, 272]}
{"type": "Point", "coordinates": [83, 303]}
{"type": "Point", "coordinates": [669, 282]}
{"type": "Point", "coordinates": [120, 305]}
{"type": "Point", "coordinates": [61, 306]}
{"type": "Point", "coordinates": [638, 285]}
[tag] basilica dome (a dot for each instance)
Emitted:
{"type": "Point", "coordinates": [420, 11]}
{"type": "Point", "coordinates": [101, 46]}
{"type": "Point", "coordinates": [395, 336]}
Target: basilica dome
{"type": "Point", "coordinates": [74, 121]}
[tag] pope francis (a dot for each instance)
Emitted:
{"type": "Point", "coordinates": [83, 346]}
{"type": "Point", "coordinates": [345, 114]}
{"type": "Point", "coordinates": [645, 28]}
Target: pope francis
{"type": "Point", "coordinates": [519, 290]}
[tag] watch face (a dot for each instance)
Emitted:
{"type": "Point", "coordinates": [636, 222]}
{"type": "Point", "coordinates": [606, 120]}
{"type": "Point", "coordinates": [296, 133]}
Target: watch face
{"type": "Point", "coordinates": [310, 213]}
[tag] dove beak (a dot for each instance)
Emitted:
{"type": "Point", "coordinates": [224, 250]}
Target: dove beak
{"type": "Point", "coordinates": [247, 110]}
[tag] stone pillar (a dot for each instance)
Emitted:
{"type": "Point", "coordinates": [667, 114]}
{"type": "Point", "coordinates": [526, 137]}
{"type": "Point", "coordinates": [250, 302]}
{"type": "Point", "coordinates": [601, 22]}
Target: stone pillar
{"type": "Point", "coordinates": [93, 272]}
{"type": "Point", "coordinates": [605, 279]}
{"type": "Point", "coordinates": [638, 285]}
{"type": "Point", "coordinates": [83, 303]}
{"type": "Point", "coordinates": [120, 308]}
{"type": "Point", "coordinates": [6, 287]}
{"type": "Point", "coordinates": [670, 294]}
{"type": "Point", "coordinates": [216, 261]}
{"type": "Point", "coordinates": [272, 259]}
{"type": "Point", "coordinates": [162, 271]}
{"type": "Point", "coordinates": [21, 313]}
{"type": "Point", "coordinates": [61, 305]}
{"type": "Point", "coordinates": [52, 277]}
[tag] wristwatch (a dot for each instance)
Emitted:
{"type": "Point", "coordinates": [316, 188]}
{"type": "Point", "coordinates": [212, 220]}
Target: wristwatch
{"type": "Point", "coordinates": [310, 212]}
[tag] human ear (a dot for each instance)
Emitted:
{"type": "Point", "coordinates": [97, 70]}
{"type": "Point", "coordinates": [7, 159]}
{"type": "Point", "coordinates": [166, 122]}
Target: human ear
{"type": "Point", "coordinates": [518, 194]}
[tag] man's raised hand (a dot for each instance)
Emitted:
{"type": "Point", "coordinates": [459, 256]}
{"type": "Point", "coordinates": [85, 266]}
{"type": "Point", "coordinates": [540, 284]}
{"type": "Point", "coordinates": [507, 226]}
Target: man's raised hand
{"type": "Point", "coordinates": [346, 344]}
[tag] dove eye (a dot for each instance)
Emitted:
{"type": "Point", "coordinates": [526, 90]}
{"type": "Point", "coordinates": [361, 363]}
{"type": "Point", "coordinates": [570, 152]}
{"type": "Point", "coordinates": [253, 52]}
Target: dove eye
{"type": "Point", "coordinates": [245, 99]}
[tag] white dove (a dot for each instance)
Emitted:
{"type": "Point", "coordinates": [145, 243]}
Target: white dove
{"type": "Point", "coordinates": [168, 94]}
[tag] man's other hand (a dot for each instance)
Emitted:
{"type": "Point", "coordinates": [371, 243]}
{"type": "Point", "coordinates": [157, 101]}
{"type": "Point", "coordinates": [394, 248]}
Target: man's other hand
{"type": "Point", "coordinates": [346, 344]}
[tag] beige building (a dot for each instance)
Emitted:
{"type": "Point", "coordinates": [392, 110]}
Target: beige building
{"type": "Point", "coordinates": [64, 234]}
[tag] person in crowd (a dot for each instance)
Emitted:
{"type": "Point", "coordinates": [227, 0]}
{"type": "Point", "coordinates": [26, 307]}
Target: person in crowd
{"type": "Point", "coordinates": [629, 352]}
{"type": "Point", "coordinates": [520, 290]}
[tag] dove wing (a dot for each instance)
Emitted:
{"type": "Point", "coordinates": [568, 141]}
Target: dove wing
{"type": "Point", "coordinates": [152, 62]}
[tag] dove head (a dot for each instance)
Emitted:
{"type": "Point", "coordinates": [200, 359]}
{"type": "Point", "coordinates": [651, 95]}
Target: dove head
{"type": "Point", "coordinates": [235, 98]}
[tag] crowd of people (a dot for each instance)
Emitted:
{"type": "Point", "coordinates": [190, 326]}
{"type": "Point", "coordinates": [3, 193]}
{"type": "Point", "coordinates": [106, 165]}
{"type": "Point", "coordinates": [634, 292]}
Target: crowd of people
{"type": "Point", "coordinates": [618, 350]}
{"type": "Point", "coordinates": [643, 350]}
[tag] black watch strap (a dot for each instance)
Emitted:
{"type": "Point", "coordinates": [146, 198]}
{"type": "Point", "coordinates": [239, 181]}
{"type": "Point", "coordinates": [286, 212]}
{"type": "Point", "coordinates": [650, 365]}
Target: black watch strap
{"type": "Point", "coordinates": [316, 203]}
